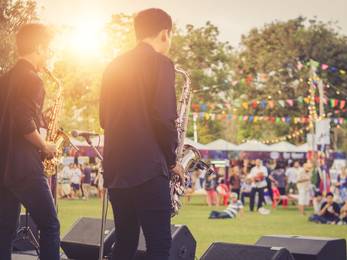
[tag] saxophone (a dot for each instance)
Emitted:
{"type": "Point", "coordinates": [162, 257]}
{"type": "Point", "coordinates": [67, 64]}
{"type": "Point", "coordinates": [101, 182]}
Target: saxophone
{"type": "Point", "coordinates": [55, 134]}
{"type": "Point", "coordinates": [188, 156]}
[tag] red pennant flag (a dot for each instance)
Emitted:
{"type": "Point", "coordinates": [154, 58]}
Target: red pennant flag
{"type": "Point", "coordinates": [325, 66]}
{"type": "Point", "coordinates": [336, 102]}
{"type": "Point", "coordinates": [249, 79]}
{"type": "Point", "coordinates": [342, 103]}
{"type": "Point", "coordinates": [254, 104]}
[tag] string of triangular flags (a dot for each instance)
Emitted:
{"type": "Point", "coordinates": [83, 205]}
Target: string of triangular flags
{"type": "Point", "coordinates": [255, 118]}
{"type": "Point", "coordinates": [322, 66]}
{"type": "Point", "coordinates": [262, 78]}
{"type": "Point", "coordinates": [264, 103]}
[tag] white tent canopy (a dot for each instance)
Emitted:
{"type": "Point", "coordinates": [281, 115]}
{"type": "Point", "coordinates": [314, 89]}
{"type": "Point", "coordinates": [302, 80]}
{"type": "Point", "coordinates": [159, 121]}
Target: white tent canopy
{"type": "Point", "coordinates": [195, 144]}
{"type": "Point", "coordinates": [303, 148]}
{"type": "Point", "coordinates": [221, 145]}
{"type": "Point", "coordinates": [283, 147]}
{"type": "Point", "coordinates": [253, 146]}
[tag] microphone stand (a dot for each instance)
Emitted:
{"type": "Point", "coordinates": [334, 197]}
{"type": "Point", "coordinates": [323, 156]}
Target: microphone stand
{"type": "Point", "coordinates": [104, 202]}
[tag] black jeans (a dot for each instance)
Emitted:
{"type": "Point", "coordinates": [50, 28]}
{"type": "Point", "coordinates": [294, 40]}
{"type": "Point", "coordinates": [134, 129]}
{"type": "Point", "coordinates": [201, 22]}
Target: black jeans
{"type": "Point", "coordinates": [260, 192]}
{"type": "Point", "coordinates": [146, 206]}
{"type": "Point", "coordinates": [237, 191]}
{"type": "Point", "coordinates": [37, 198]}
{"type": "Point", "coordinates": [244, 195]}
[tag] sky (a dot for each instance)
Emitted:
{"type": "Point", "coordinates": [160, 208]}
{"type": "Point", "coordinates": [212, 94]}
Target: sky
{"type": "Point", "coordinates": [233, 17]}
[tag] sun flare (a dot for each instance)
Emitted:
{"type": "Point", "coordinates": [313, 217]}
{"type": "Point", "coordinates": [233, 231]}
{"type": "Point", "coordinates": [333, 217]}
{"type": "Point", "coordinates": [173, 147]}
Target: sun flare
{"type": "Point", "coordinates": [84, 38]}
{"type": "Point", "coordinates": [87, 38]}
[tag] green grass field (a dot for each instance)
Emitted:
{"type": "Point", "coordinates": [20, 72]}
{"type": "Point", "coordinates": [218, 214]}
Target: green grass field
{"type": "Point", "coordinates": [241, 230]}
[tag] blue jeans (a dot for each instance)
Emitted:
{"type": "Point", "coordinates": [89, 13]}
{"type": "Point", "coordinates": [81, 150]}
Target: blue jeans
{"type": "Point", "coordinates": [146, 206]}
{"type": "Point", "coordinates": [36, 197]}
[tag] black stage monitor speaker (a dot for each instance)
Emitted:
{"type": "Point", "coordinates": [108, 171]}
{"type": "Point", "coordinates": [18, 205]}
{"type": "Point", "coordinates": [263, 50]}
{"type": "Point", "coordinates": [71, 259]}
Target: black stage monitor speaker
{"type": "Point", "coordinates": [22, 242]}
{"type": "Point", "coordinates": [227, 251]}
{"type": "Point", "coordinates": [308, 248]}
{"type": "Point", "coordinates": [82, 242]}
{"type": "Point", "coordinates": [183, 245]}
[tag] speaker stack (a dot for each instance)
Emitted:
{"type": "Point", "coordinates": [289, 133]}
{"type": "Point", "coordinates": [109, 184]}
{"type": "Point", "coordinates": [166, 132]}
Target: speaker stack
{"type": "Point", "coordinates": [82, 241]}
{"type": "Point", "coordinates": [228, 251]}
{"type": "Point", "coordinates": [308, 248]}
{"type": "Point", "coordinates": [280, 248]}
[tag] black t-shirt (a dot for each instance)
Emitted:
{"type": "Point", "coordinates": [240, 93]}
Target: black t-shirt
{"type": "Point", "coordinates": [329, 213]}
{"type": "Point", "coordinates": [22, 96]}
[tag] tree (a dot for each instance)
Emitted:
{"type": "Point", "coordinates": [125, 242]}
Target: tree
{"type": "Point", "coordinates": [274, 51]}
{"type": "Point", "coordinates": [13, 14]}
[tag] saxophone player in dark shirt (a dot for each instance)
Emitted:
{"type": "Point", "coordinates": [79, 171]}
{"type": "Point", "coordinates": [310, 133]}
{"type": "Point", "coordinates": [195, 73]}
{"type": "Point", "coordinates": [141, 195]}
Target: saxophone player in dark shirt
{"type": "Point", "coordinates": [22, 179]}
{"type": "Point", "coordinates": [138, 113]}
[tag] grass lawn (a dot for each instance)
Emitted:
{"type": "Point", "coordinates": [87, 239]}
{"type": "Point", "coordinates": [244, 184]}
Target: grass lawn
{"type": "Point", "coordinates": [241, 230]}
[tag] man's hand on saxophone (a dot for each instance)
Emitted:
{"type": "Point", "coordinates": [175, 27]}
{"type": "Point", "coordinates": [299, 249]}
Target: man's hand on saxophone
{"type": "Point", "coordinates": [178, 170]}
{"type": "Point", "coordinates": [49, 149]}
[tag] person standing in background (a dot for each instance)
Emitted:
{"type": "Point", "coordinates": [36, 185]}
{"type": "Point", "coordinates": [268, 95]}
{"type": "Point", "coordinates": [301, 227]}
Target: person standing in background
{"type": "Point", "coordinates": [235, 180]}
{"type": "Point", "coordinates": [76, 178]}
{"type": "Point", "coordinates": [292, 175]}
{"type": "Point", "coordinates": [279, 176]}
{"type": "Point", "coordinates": [304, 187]}
{"type": "Point", "coordinates": [258, 176]}
{"type": "Point", "coordinates": [87, 180]}
{"type": "Point", "coordinates": [211, 183]}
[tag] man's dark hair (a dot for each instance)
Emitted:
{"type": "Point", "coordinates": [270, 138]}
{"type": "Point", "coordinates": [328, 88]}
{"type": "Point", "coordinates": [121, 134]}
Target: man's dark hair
{"type": "Point", "coordinates": [30, 36]}
{"type": "Point", "coordinates": [330, 194]}
{"type": "Point", "coordinates": [149, 22]}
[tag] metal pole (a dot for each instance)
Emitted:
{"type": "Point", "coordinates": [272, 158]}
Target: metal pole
{"type": "Point", "coordinates": [104, 205]}
{"type": "Point", "coordinates": [195, 127]}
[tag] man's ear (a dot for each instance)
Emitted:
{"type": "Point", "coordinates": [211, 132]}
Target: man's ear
{"type": "Point", "coordinates": [164, 35]}
{"type": "Point", "coordinates": [38, 50]}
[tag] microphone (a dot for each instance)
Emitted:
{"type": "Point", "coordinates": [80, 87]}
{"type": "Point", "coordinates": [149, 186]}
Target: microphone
{"type": "Point", "coordinates": [76, 133]}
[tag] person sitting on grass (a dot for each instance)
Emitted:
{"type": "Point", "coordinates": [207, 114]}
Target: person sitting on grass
{"type": "Point", "coordinates": [329, 213]}
{"type": "Point", "coordinates": [343, 214]}
{"type": "Point", "coordinates": [317, 202]}
{"type": "Point", "coordinates": [235, 207]}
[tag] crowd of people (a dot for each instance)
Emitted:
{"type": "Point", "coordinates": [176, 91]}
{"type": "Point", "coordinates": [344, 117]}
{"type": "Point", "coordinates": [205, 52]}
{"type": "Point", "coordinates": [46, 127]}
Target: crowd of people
{"type": "Point", "coordinates": [80, 181]}
{"type": "Point", "coordinates": [273, 183]}
{"type": "Point", "coordinates": [277, 183]}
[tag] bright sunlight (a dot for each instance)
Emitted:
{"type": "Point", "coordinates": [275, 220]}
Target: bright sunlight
{"type": "Point", "coordinates": [84, 38]}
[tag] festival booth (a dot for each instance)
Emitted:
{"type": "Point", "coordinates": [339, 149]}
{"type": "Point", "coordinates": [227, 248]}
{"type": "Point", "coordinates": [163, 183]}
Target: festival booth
{"type": "Point", "coordinates": [86, 153]}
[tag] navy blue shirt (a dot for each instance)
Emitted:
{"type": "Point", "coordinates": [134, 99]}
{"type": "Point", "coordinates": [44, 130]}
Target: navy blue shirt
{"type": "Point", "coordinates": [87, 175]}
{"type": "Point", "coordinates": [138, 112]}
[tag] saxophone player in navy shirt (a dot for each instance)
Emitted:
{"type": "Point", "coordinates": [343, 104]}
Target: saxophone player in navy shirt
{"type": "Point", "coordinates": [138, 113]}
{"type": "Point", "coordinates": [22, 179]}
